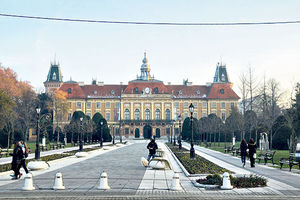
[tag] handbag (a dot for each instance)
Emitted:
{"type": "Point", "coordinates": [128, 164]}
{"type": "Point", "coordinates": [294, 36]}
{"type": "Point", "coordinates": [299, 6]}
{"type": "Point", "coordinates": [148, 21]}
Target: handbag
{"type": "Point", "coordinates": [254, 155]}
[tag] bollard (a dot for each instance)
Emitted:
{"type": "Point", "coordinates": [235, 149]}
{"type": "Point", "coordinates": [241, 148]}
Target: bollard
{"type": "Point", "coordinates": [226, 182]}
{"type": "Point", "coordinates": [176, 182]}
{"type": "Point", "coordinates": [58, 182]}
{"type": "Point", "coordinates": [28, 184]}
{"type": "Point", "coordinates": [297, 154]}
{"type": "Point", "coordinates": [103, 182]}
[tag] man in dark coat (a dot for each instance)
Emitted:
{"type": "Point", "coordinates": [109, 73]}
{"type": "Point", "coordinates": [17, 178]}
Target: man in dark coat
{"type": "Point", "coordinates": [252, 150]}
{"type": "Point", "coordinates": [16, 160]}
{"type": "Point", "coordinates": [152, 146]}
{"type": "Point", "coordinates": [243, 149]}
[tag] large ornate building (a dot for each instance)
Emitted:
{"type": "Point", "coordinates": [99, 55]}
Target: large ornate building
{"type": "Point", "coordinates": [146, 106]}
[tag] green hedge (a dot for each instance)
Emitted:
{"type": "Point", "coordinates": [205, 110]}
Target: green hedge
{"type": "Point", "coordinates": [198, 165]}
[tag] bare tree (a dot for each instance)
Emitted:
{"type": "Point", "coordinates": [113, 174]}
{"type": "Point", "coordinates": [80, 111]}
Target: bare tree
{"type": "Point", "coordinates": [244, 91]}
{"type": "Point", "coordinates": [251, 86]}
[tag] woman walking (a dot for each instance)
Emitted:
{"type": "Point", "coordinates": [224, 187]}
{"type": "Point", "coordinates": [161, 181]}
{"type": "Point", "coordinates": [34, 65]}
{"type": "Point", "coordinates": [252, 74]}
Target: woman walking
{"type": "Point", "coordinates": [25, 155]}
{"type": "Point", "coordinates": [243, 149]}
{"type": "Point", "coordinates": [252, 152]}
{"type": "Point", "coordinates": [16, 160]}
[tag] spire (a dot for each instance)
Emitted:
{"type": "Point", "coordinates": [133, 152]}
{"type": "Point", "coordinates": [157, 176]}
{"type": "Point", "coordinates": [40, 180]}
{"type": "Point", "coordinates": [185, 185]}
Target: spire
{"type": "Point", "coordinates": [221, 75]}
{"type": "Point", "coordinates": [145, 69]}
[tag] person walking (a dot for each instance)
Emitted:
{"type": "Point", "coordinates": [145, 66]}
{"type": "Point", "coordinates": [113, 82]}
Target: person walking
{"type": "Point", "coordinates": [25, 155]}
{"type": "Point", "coordinates": [152, 146]}
{"type": "Point", "coordinates": [252, 152]}
{"type": "Point", "coordinates": [243, 149]}
{"type": "Point", "coordinates": [16, 160]}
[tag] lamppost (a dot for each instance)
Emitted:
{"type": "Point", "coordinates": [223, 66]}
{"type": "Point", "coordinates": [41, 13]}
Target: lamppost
{"type": "Point", "coordinates": [120, 133]}
{"type": "Point", "coordinates": [179, 140]}
{"type": "Point", "coordinates": [174, 139]}
{"type": "Point", "coordinates": [38, 164]}
{"type": "Point", "coordinates": [171, 135]}
{"type": "Point", "coordinates": [192, 150]}
{"type": "Point", "coordinates": [113, 140]}
{"type": "Point", "coordinates": [101, 134]}
{"type": "Point", "coordinates": [80, 139]}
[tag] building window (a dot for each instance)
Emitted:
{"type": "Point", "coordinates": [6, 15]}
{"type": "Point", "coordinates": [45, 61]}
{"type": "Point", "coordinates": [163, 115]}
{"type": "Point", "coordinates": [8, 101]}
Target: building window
{"type": "Point", "coordinates": [88, 114]}
{"type": "Point", "coordinates": [223, 116]}
{"type": "Point", "coordinates": [195, 115]}
{"type": "Point", "coordinates": [88, 105]}
{"type": "Point", "coordinates": [222, 91]}
{"type": "Point", "coordinates": [157, 114]}
{"type": "Point", "coordinates": [54, 76]}
{"type": "Point", "coordinates": [136, 90]}
{"type": "Point", "coordinates": [214, 112]}
{"type": "Point", "coordinates": [185, 115]}
{"type": "Point", "coordinates": [147, 114]}
{"type": "Point", "coordinates": [168, 114]}
{"type": "Point", "coordinates": [69, 90]}
{"type": "Point", "coordinates": [126, 131]}
{"type": "Point", "coordinates": [107, 116]}
{"type": "Point", "coordinates": [78, 105]}
{"type": "Point", "coordinates": [186, 104]}
{"type": "Point", "coordinates": [156, 90]}
{"type": "Point", "coordinates": [176, 104]}
{"type": "Point", "coordinates": [198, 92]}
{"type": "Point", "coordinates": [204, 115]}
{"type": "Point", "coordinates": [232, 105]}
{"type": "Point", "coordinates": [223, 105]}
{"type": "Point", "coordinates": [179, 92]}
{"type": "Point", "coordinates": [98, 105]}
{"type": "Point", "coordinates": [204, 105]}
{"type": "Point", "coordinates": [137, 114]}
{"type": "Point", "coordinates": [112, 92]}
{"type": "Point", "coordinates": [69, 116]}
{"type": "Point", "coordinates": [195, 104]}
{"type": "Point", "coordinates": [214, 105]}
{"type": "Point", "coordinates": [95, 92]}
{"type": "Point", "coordinates": [127, 114]}
{"type": "Point", "coordinates": [107, 105]}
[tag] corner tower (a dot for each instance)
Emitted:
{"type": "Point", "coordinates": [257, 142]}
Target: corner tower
{"type": "Point", "coordinates": [54, 78]}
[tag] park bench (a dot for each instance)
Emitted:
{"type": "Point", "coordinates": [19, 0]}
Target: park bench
{"type": "Point", "coordinates": [53, 146]}
{"type": "Point", "coordinates": [291, 161]}
{"type": "Point", "coordinates": [3, 153]}
{"type": "Point", "coordinates": [44, 148]}
{"type": "Point", "coordinates": [60, 145]}
{"type": "Point", "coordinates": [228, 149]}
{"type": "Point", "coordinates": [269, 155]}
{"type": "Point", "coordinates": [236, 151]}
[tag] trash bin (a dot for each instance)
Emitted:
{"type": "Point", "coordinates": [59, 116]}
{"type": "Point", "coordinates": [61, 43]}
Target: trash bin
{"type": "Point", "coordinates": [298, 152]}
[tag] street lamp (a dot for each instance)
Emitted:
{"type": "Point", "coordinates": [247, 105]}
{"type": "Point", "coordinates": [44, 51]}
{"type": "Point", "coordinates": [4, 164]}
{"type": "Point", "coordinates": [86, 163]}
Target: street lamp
{"type": "Point", "coordinates": [113, 141]}
{"type": "Point", "coordinates": [174, 141]}
{"type": "Point", "coordinates": [179, 140]}
{"type": "Point", "coordinates": [192, 150]}
{"type": "Point", "coordinates": [120, 133]}
{"type": "Point", "coordinates": [170, 135]}
{"type": "Point", "coordinates": [80, 141]}
{"type": "Point", "coordinates": [101, 134]}
{"type": "Point", "coordinates": [38, 164]}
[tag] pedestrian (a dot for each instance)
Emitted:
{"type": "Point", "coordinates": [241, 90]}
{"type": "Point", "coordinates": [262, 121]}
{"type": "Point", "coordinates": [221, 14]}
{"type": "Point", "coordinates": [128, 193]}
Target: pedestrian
{"type": "Point", "coordinates": [25, 155]}
{"type": "Point", "coordinates": [252, 152]}
{"type": "Point", "coordinates": [152, 146]}
{"type": "Point", "coordinates": [17, 156]}
{"type": "Point", "coordinates": [243, 149]}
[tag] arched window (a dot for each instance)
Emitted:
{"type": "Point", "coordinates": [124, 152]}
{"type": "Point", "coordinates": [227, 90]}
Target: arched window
{"type": "Point", "coordinates": [137, 114]}
{"type": "Point", "coordinates": [54, 76]}
{"type": "Point", "coordinates": [127, 114]}
{"type": "Point", "coordinates": [157, 114]}
{"type": "Point", "coordinates": [168, 114]}
{"type": "Point", "coordinates": [147, 114]}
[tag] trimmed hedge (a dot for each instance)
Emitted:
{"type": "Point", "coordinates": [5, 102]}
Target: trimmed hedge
{"type": "Point", "coordinates": [199, 165]}
{"type": "Point", "coordinates": [237, 182]}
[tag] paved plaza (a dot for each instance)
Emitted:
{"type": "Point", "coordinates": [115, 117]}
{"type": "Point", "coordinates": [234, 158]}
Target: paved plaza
{"type": "Point", "coordinates": [128, 179]}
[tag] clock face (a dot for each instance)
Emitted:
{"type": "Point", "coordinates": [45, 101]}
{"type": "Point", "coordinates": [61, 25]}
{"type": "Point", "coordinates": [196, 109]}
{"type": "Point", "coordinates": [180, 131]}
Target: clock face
{"type": "Point", "coordinates": [147, 90]}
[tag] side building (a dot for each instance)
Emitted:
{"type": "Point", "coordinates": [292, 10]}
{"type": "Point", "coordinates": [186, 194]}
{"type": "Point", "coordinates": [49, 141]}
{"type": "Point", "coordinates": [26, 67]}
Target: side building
{"type": "Point", "coordinates": [147, 107]}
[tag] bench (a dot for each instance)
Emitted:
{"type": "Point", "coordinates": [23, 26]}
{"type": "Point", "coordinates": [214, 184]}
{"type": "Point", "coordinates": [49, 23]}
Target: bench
{"type": "Point", "coordinates": [236, 152]}
{"type": "Point", "coordinates": [228, 149]}
{"type": "Point", "coordinates": [269, 155]}
{"type": "Point", "coordinates": [291, 161]}
{"type": "Point", "coordinates": [44, 148]}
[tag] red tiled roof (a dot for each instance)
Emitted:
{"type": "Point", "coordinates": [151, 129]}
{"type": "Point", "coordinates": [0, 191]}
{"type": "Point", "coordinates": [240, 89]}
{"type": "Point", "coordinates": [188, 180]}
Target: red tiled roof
{"type": "Point", "coordinates": [185, 91]}
{"type": "Point", "coordinates": [76, 91]}
{"type": "Point", "coordinates": [162, 89]}
{"type": "Point", "coordinates": [215, 92]}
{"type": "Point", "coordinates": [105, 91]}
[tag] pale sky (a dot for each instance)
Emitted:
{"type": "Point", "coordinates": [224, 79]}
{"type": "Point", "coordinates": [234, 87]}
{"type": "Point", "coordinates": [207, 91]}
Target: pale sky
{"type": "Point", "coordinates": [113, 53]}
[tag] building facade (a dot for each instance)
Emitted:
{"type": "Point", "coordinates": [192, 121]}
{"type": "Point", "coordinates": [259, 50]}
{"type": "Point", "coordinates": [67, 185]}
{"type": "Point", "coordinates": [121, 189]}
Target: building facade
{"type": "Point", "coordinates": [147, 107]}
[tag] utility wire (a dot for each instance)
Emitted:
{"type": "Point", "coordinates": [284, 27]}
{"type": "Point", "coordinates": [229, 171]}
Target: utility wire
{"type": "Point", "coordinates": [151, 23]}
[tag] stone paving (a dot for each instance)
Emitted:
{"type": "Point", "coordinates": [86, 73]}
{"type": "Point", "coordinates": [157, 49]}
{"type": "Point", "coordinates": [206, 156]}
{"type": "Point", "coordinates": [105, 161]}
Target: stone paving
{"type": "Point", "coordinates": [128, 179]}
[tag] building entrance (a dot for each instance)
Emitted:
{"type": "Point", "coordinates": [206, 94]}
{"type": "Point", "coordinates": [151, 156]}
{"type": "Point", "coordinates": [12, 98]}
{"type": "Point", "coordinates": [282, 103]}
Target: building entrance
{"type": "Point", "coordinates": [147, 132]}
